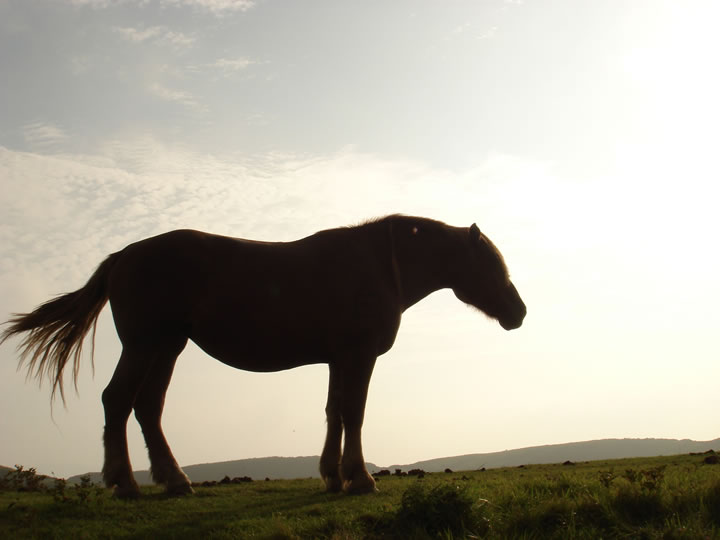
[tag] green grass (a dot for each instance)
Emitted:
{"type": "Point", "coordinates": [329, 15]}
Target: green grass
{"type": "Point", "coordinates": [668, 497]}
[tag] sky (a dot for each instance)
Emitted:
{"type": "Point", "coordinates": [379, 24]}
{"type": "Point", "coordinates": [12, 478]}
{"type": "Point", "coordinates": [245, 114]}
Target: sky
{"type": "Point", "coordinates": [582, 137]}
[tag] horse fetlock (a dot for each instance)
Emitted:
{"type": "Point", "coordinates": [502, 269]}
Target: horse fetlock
{"type": "Point", "coordinates": [330, 469]}
{"type": "Point", "coordinates": [117, 474]}
{"type": "Point", "coordinates": [166, 472]}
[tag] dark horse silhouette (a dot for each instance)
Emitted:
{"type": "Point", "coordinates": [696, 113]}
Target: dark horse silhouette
{"type": "Point", "coordinates": [335, 297]}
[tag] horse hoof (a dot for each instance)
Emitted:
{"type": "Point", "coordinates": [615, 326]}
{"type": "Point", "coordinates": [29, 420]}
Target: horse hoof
{"type": "Point", "coordinates": [127, 493]}
{"type": "Point", "coordinates": [180, 490]}
{"type": "Point", "coordinates": [359, 487]}
{"type": "Point", "coordinates": [333, 485]}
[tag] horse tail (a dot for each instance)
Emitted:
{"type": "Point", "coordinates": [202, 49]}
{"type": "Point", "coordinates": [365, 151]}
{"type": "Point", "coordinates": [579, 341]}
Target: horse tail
{"type": "Point", "coordinates": [58, 327]}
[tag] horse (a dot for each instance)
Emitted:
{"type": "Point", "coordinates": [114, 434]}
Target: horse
{"type": "Point", "coordinates": [335, 297]}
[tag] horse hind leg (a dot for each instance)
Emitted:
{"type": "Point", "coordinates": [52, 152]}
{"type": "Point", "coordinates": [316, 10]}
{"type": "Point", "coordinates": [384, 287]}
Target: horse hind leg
{"type": "Point", "coordinates": [118, 399]}
{"type": "Point", "coordinates": [148, 412]}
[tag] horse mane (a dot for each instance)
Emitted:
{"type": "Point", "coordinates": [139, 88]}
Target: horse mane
{"type": "Point", "coordinates": [435, 223]}
{"type": "Point", "coordinates": [398, 218]}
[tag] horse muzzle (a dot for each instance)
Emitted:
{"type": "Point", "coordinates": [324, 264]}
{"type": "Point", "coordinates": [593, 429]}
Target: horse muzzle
{"type": "Point", "coordinates": [511, 323]}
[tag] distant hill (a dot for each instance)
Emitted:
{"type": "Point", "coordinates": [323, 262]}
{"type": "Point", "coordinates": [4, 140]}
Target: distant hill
{"type": "Point", "coordinates": [559, 453]}
{"type": "Point", "coordinates": [255, 468]}
{"type": "Point", "coordinates": [307, 466]}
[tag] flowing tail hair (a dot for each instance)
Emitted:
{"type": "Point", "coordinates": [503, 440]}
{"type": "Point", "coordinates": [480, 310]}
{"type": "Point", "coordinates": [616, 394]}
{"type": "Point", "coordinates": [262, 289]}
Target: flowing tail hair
{"type": "Point", "coordinates": [58, 327]}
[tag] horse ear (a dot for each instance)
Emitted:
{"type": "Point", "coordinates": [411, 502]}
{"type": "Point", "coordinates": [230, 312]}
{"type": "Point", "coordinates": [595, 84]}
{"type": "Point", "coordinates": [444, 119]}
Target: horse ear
{"type": "Point", "coordinates": [474, 232]}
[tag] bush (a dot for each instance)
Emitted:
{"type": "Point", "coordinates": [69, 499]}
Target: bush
{"type": "Point", "coordinates": [22, 479]}
{"type": "Point", "coordinates": [437, 511]}
{"type": "Point", "coordinates": [640, 501]}
{"type": "Point", "coordinates": [638, 506]}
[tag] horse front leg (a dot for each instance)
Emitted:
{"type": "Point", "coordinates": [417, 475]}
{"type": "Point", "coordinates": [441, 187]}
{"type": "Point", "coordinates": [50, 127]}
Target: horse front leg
{"type": "Point", "coordinates": [355, 379]}
{"type": "Point", "coordinates": [330, 458]}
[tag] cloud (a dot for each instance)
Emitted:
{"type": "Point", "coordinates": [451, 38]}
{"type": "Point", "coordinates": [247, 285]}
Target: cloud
{"type": "Point", "coordinates": [43, 135]}
{"type": "Point", "coordinates": [138, 36]}
{"type": "Point", "coordinates": [222, 67]}
{"type": "Point", "coordinates": [217, 7]}
{"type": "Point", "coordinates": [76, 209]}
{"type": "Point", "coordinates": [98, 4]}
{"type": "Point", "coordinates": [155, 34]}
{"type": "Point", "coordinates": [176, 96]}
{"type": "Point", "coordinates": [230, 66]}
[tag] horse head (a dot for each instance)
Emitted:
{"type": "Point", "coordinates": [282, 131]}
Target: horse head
{"type": "Point", "coordinates": [482, 281]}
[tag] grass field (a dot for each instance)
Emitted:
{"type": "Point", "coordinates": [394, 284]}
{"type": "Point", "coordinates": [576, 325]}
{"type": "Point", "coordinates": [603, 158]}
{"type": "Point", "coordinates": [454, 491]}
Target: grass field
{"type": "Point", "coordinates": [665, 497]}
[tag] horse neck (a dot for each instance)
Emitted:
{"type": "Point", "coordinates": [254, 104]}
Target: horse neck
{"type": "Point", "coordinates": [423, 261]}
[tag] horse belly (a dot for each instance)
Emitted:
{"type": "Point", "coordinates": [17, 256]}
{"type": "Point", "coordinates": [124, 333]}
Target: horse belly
{"type": "Point", "coordinates": [253, 341]}
{"type": "Point", "coordinates": [255, 350]}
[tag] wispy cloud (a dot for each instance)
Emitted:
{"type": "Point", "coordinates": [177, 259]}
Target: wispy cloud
{"type": "Point", "coordinates": [231, 66]}
{"type": "Point", "coordinates": [91, 3]}
{"type": "Point", "coordinates": [43, 135]}
{"type": "Point", "coordinates": [177, 96]}
{"type": "Point", "coordinates": [78, 208]}
{"type": "Point", "coordinates": [217, 7]}
{"type": "Point", "coordinates": [81, 64]}
{"type": "Point", "coordinates": [137, 35]}
{"type": "Point", "coordinates": [225, 67]}
{"type": "Point", "coordinates": [155, 34]}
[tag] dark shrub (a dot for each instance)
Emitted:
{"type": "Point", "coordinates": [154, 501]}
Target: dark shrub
{"type": "Point", "coordinates": [443, 508]}
{"type": "Point", "coordinates": [639, 506]}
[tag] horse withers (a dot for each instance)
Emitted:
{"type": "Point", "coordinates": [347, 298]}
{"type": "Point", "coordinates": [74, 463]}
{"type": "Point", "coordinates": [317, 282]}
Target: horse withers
{"type": "Point", "coordinates": [335, 298]}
